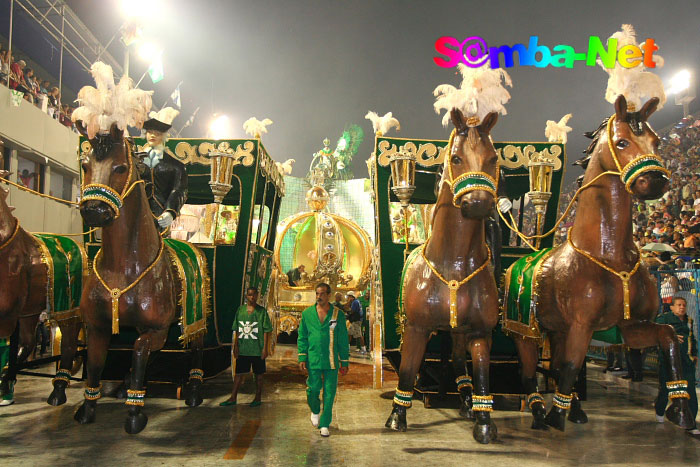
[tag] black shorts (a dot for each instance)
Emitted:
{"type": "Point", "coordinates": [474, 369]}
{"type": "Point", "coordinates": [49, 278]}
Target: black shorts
{"type": "Point", "coordinates": [244, 362]}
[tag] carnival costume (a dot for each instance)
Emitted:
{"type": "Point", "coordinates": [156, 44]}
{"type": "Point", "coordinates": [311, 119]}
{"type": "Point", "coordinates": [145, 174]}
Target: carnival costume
{"type": "Point", "coordinates": [688, 353]}
{"type": "Point", "coordinates": [165, 177]}
{"type": "Point", "coordinates": [324, 347]}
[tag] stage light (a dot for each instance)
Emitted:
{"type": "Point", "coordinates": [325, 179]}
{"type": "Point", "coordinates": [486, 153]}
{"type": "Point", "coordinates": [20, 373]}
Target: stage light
{"type": "Point", "coordinates": [680, 82]}
{"type": "Point", "coordinates": [141, 9]}
{"type": "Point", "coordinates": [149, 52]}
{"type": "Point", "coordinates": [220, 127]}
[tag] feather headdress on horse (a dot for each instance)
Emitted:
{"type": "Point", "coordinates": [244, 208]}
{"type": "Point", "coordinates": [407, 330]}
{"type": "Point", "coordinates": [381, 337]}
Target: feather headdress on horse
{"type": "Point", "coordinates": [109, 103]}
{"type": "Point", "coordinates": [480, 92]}
{"type": "Point", "coordinates": [634, 83]}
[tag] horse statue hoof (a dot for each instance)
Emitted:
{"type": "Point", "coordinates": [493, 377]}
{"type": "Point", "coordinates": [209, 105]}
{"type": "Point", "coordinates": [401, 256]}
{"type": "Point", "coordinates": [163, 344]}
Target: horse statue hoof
{"type": "Point", "coordinates": [135, 423]}
{"type": "Point", "coordinates": [577, 415]}
{"type": "Point", "coordinates": [466, 412]}
{"type": "Point", "coordinates": [194, 398]}
{"type": "Point", "coordinates": [679, 414]}
{"type": "Point", "coordinates": [86, 413]}
{"type": "Point", "coordinates": [484, 433]}
{"type": "Point", "coordinates": [397, 419]}
{"type": "Point", "coordinates": [556, 418]}
{"type": "Point", "coordinates": [538, 417]}
{"type": "Point", "coordinates": [58, 395]}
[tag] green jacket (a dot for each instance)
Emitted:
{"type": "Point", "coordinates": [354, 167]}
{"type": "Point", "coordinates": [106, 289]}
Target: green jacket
{"type": "Point", "coordinates": [319, 345]}
{"type": "Point", "coordinates": [688, 347]}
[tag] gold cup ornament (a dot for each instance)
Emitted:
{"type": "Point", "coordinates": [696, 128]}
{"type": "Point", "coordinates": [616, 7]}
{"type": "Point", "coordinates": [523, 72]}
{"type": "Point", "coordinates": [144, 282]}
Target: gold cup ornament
{"type": "Point", "coordinates": [403, 180]}
{"type": "Point", "coordinates": [541, 171]}
{"type": "Point", "coordinates": [222, 165]}
{"type": "Point", "coordinates": [403, 176]}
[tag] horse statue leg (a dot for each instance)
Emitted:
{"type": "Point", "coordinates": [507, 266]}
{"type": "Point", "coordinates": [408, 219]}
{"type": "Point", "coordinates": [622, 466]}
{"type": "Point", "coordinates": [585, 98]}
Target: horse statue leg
{"type": "Point", "coordinates": [147, 342]}
{"type": "Point", "coordinates": [97, 343]}
{"type": "Point", "coordinates": [527, 350]}
{"type": "Point", "coordinates": [22, 342]}
{"type": "Point", "coordinates": [640, 334]}
{"type": "Point", "coordinates": [194, 397]}
{"type": "Point", "coordinates": [69, 347]}
{"type": "Point", "coordinates": [9, 377]}
{"type": "Point", "coordinates": [569, 356]}
{"type": "Point", "coordinates": [412, 350]}
{"type": "Point", "coordinates": [484, 429]}
{"type": "Point", "coordinates": [463, 380]}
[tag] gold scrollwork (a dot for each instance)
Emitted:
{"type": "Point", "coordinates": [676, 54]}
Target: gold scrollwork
{"type": "Point", "coordinates": [288, 323]}
{"type": "Point", "coordinates": [513, 157]}
{"type": "Point", "coordinates": [85, 149]}
{"type": "Point", "coordinates": [427, 154]}
{"type": "Point", "coordinates": [243, 151]}
{"type": "Point", "coordinates": [187, 154]}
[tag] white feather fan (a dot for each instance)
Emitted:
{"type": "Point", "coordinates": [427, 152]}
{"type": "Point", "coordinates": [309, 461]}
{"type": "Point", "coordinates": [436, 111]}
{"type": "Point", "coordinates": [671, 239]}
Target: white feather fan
{"type": "Point", "coordinates": [480, 93]}
{"type": "Point", "coordinates": [382, 125]}
{"type": "Point", "coordinates": [107, 104]}
{"type": "Point", "coordinates": [255, 127]}
{"type": "Point", "coordinates": [556, 131]}
{"type": "Point", "coordinates": [635, 84]}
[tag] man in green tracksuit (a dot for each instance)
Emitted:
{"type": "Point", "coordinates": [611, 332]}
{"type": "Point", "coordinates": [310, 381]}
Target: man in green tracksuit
{"type": "Point", "coordinates": [688, 353]}
{"type": "Point", "coordinates": [323, 352]}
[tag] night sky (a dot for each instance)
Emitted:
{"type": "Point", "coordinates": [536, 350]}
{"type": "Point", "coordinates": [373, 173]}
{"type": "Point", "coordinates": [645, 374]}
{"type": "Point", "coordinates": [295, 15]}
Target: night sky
{"type": "Point", "coordinates": [315, 67]}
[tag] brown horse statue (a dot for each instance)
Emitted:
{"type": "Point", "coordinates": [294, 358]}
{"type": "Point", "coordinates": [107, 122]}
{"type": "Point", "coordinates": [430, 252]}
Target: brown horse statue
{"type": "Point", "coordinates": [134, 283]}
{"type": "Point", "coordinates": [23, 296]}
{"type": "Point", "coordinates": [448, 283]}
{"type": "Point", "coordinates": [595, 280]}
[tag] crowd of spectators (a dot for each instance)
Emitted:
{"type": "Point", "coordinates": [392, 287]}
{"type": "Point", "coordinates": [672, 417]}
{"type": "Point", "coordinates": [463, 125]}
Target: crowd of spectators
{"type": "Point", "coordinates": [35, 90]}
{"type": "Point", "coordinates": [674, 219]}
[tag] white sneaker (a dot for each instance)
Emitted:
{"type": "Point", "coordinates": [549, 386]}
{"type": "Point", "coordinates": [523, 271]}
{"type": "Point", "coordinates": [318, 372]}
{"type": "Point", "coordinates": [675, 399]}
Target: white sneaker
{"type": "Point", "coordinates": [659, 418]}
{"type": "Point", "coordinates": [315, 417]}
{"type": "Point", "coordinates": [694, 431]}
{"type": "Point", "coordinates": [5, 402]}
{"type": "Point", "coordinates": [324, 432]}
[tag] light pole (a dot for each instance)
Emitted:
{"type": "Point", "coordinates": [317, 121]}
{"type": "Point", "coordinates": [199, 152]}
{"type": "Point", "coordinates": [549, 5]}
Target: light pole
{"type": "Point", "coordinates": [684, 91]}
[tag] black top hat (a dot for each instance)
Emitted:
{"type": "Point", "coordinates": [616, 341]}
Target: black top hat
{"type": "Point", "coordinates": [157, 125]}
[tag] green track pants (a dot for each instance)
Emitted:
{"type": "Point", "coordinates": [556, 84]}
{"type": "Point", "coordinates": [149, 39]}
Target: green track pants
{"type": "Point", "coordinates": [328, 380]}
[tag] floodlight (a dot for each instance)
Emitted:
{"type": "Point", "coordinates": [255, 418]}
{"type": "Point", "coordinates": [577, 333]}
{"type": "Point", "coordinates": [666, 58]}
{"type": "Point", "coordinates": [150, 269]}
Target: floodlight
{"type": "Point", "coordinates": [220, 127]}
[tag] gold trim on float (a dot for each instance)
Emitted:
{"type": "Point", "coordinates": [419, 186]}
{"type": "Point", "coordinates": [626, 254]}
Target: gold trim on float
{"type": "Point", "coordinates": [47, 260]}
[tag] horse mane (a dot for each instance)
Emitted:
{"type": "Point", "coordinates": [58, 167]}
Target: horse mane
{"type": "Point", "coordinates": [101, 145]}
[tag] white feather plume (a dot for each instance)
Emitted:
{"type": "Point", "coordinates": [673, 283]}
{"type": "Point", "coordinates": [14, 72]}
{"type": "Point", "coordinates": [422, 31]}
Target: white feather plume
{"type": "Point", "coordinates": [556, 131]}
{"type": "Point", "coordinates": [482, 91]}
{"type": "Point", "coordinates": [255, 127]}
{"type": "Point", "coordinates": [636, 84]}
{"type": "Point", "coordinates": [383, 124]}
{"type": "Point", "coordinates": [165, 115]}
{"type": "Point", "coordinates": [286, 167]}
{"type": "Point", "coordinates": [107, 104]}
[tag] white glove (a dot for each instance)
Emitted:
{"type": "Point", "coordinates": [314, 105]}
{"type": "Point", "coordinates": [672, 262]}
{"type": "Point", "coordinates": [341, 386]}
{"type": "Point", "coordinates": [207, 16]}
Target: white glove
{"type": "Point", "coordinates": [165, 220]}
{"type": "Point", "coordinates": [504, 204]}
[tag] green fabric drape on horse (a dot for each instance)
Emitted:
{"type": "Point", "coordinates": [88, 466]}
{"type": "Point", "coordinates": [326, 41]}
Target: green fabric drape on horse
{"type": "Point", "coordinates": [520, 301]}
{"type": "Point", "coordinates": [66, 263]}
{"type": "Point", "coordinates": [191, 266]}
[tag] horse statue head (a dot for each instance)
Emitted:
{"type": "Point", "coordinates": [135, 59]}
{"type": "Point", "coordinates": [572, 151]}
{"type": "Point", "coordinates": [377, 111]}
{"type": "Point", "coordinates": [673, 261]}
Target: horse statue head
{"type": "Point", "coordinates": [471, 166]}
{"type": "Point", "coordinates": [627, 145]}
{"type": "Point", "coordinates": [108, 176]}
